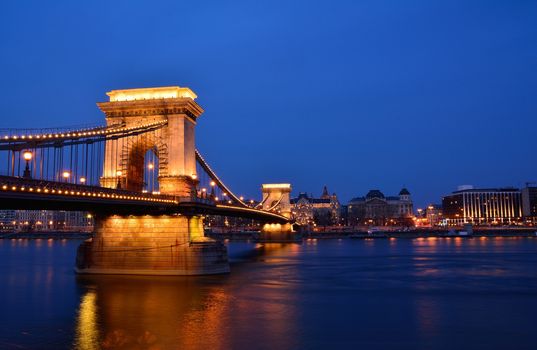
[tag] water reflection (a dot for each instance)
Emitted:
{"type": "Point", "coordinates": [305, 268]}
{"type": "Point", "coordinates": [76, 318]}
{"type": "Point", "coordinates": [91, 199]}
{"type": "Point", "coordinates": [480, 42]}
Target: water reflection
{"type": "Point", "coordinates": [382, 294]}
{"type": "Point", "coordinates": [210, 312]}
{"type": "Point", "coordinates": [87, 332]}
{"type": "Point", "coordinates": [135, 312]}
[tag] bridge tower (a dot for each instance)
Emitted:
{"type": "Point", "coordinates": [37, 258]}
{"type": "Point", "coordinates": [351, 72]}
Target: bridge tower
{"type": "Point", "coordinates": [175, 143]}
{"type": "Point", "coordinates": [277, 197]}
{"type": "Point", "coordinates": [153, 244]}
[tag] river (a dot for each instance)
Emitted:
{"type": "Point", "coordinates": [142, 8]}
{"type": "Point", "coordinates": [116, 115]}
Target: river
{"type": "Point", "coordinates": [429, 293]}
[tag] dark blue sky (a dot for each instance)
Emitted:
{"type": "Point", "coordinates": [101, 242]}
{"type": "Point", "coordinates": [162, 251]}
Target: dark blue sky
{"type": "Point", "coordinates": [351, 94]}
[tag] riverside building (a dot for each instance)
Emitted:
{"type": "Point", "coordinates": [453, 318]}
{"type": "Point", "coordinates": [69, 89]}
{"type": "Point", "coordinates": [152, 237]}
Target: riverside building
{"type": "Point", "coordinates": [377, 209]}
{"type": "Point", "coordinates": [323, 211]}
{"type": "Point", "coordinates": [487, 206]}
{"type": "Point", "coordinates": [529, 204]}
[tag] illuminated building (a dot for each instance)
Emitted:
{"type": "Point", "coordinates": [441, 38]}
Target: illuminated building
{"type": "Point", "coordinates": [377, 209]}
{"type": "Point", "coordinates": [45, 220]}
{"type": "Point", "coordinates": [529, 204]}
{"type": "Point", "coordinates": [434, 214]}
{"type": "Point", "coordinates": [7, 220]}
{"type": "Point", "coordinates": [482, 206]}
{"type": "Point", "coordinates": [323, 211]}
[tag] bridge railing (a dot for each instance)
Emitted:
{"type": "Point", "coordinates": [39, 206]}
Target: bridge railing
{"type": "Point", "coordinates": [9, 183]}
{"type": "Point", "coordinates": [53, 130]}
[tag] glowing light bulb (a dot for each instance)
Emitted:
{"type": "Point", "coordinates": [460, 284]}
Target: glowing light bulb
{"type": "Point", "coordinates": [27, 155]}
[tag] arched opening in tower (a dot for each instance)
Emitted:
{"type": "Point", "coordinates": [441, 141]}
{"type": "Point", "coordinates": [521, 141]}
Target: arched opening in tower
{"type": "Point", "coordinates": [151, 168]}
{"type": "Point", "coordinates": [143, 169]}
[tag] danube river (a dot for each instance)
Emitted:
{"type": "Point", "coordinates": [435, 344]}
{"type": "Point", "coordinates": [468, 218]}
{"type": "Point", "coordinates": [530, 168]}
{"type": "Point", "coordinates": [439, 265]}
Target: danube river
{"type": "Point", "coordinates": [434, 293]}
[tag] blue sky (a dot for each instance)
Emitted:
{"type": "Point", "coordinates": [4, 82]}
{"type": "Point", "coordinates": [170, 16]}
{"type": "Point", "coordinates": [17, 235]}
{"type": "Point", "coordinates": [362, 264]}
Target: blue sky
{"type": "Point", "coordinates": [352, 94]}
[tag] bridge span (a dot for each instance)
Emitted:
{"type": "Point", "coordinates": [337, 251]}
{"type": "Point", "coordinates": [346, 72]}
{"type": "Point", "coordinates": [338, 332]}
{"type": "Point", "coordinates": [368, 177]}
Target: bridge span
{"type": "Point", "coordinates": [141, 177]}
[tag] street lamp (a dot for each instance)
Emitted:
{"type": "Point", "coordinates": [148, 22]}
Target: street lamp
{"type": "Point", "coordinates": [27, 155]}
{"type": "Point", "coordinates": [66, 175]}
{"type": "Point", "coordinates": [212, 183]}
{"type": "Point", "coordinates": [151, 185]}
{"type": "Point", "coordinates": [118, 174]}
{"type": "Point", "coordinates": [82, 180]}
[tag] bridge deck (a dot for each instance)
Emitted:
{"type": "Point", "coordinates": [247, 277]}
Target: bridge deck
{"type": "Point", "coordinates": [18, 193]}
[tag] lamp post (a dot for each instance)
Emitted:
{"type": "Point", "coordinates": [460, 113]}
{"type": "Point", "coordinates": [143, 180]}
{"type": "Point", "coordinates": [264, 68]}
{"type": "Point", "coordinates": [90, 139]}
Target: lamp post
{"type": "Point", "coordinates": [82, 180]}
{"type": "Point", "coordinates": [66, 176]}
{"type": "Point", "coordinates": [118, 174]}
{"type": "Point", "coordinates": [151, 186]}
{"type": "Point", "coordinates": [27, 155]}
{"type": "Point", "coordinates": [212, 189]}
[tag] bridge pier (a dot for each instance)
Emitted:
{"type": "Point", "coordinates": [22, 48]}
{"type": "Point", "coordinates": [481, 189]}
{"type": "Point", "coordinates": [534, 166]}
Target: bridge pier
{"type": "Point", "coordinates": [278, 233]}
{"type": "Point", "coordinates": [151, 245]}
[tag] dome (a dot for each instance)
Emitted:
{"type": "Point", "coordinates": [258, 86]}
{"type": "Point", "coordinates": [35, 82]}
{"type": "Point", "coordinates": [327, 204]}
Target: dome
{"type": "Point", "coordinates": [404, 192]}
{"type": "Point", "coordinates": [374, 194]}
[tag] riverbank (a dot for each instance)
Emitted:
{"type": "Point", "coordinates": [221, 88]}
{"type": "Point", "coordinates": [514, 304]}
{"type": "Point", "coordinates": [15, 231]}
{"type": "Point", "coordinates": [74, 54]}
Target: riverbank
{"type": "Point", "coordinates": [255, 236]}
{"type": "Point", "coordinates": [45, 235]}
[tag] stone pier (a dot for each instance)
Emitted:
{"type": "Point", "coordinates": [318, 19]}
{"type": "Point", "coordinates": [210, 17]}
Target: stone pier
{"type": "Point", "coordinates": [151, 245]}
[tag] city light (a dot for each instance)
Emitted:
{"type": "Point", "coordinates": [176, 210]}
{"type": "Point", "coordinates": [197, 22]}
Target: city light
{"type": "Point", "coordinates": [82, 180]}
{"type": "Point", "coordinates": [213, 183]}
{"type": "Point", "coordinates": [66, 175]}
{"type": "Point", "coordinates": [150, 166]}
{"type": "Point", "coordinates": [27, 155]}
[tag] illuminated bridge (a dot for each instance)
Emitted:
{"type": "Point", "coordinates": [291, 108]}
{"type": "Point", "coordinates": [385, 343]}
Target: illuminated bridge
{"type": "Point", "coordinates": [142, 179]}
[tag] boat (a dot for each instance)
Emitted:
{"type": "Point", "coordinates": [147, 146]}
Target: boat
{"type": "Point", "coordinates": [453, 233]}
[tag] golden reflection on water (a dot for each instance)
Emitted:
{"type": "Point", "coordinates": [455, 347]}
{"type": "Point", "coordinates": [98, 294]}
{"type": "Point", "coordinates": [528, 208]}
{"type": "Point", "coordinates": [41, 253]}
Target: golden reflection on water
{"type": "Point", "coordinates": [136, 312]}
{"type": "Point", "coordinates": [87, 331]}
{"type": "Point", "coordinates": [427, 314]}
{"type": "Point", "coordinates": [206, 312]}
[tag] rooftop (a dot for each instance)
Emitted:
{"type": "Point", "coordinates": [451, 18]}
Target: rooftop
{"type": "Point", "coordinates": [151, 93]}
{"type": "Point", "coordinates": [500, 189]}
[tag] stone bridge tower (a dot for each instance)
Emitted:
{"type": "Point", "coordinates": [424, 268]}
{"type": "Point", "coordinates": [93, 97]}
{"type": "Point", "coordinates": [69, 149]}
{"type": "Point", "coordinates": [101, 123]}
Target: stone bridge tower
{"type": "Point", "coordinates": [175, 142]}
{"type": "Point", "coordinates": [152, 244]}
{"type": "Point", "coordinates": [277, 197]}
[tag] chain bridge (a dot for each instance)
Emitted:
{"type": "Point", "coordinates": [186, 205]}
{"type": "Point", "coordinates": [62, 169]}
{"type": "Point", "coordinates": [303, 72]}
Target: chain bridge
{"type": "Point", "coordinates": [141, 177]}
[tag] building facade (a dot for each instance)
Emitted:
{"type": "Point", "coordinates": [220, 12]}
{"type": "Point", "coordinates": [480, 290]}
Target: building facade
{"type": "Point", "coordinates": [376, 209]}
{"type": "Point", "coordinates": [322, 211]}
{"type": "Point", "coordinates": [434, 214]}
{"type": "Point", "coordinates": [45, 220]}
{"type": "Point", "coordinates": [490, 206]}
{"type": "Point", "coordinates": [529, 204]}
